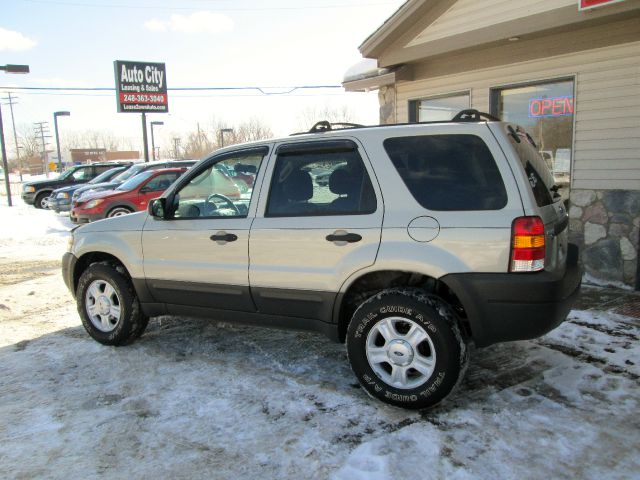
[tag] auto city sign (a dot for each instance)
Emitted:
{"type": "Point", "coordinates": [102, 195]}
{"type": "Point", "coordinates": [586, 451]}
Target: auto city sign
{"type": "Point", "coordinates": [141, 87]}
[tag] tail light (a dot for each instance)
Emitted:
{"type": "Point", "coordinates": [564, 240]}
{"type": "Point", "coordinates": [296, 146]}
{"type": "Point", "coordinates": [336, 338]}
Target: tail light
{"type": "Point", "coordinates": [527, 245]}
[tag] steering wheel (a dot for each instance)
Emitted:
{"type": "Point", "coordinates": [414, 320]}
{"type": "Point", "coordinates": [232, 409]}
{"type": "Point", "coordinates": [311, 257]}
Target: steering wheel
{"type": "Point", "coordinates": [229, 203]}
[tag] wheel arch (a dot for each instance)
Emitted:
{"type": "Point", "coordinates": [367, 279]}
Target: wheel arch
{"type": "Point", "coordinates": [90, 258]}
{"type": "Point", "coordinates": [370, 283]}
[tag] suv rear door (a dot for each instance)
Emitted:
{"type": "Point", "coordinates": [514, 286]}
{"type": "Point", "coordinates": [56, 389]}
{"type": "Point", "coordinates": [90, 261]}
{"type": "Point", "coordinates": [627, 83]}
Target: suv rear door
{"type": "Point", "coordinates": [309, 237]}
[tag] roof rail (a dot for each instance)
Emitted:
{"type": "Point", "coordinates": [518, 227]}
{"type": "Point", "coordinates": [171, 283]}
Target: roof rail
{"type": "Point", "coordinates": [326, 126]}
{"type": "Point", "coordinates": [472, 115]}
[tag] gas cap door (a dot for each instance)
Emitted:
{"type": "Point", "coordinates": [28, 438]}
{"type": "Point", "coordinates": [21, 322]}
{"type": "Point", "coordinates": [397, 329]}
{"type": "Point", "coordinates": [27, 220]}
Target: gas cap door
{"type": "Point", "coordinates": [423, 229]}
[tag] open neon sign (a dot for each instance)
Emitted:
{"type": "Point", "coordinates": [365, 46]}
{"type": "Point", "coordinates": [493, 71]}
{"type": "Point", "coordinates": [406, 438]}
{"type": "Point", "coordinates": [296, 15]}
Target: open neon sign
{"type": "Point", "coordinates": [550, 107]}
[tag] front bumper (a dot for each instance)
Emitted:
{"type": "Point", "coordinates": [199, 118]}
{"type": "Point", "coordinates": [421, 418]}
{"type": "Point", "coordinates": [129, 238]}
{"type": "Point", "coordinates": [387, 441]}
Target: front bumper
{"type": "Point", "coordinates": [503, 307]}
{"type": "Point", "coordinates": [68, 268]}
{"type": "Point", "coordinates": [81, 217]}
{"type": "Point", "coordinates": [59, 204]}
{"type": "Point", "coordinates": [29, 198]}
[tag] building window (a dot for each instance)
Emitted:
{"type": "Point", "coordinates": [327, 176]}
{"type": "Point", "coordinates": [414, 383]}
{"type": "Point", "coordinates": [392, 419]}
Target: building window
{"type": "Point", "coordinates": [545, 111]}
{"type": "Point", "coordinates": [439, 108]}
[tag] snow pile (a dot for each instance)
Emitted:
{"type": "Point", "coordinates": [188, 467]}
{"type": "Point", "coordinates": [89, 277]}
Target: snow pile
{"type": "Point", "coordinates": [201, 399]}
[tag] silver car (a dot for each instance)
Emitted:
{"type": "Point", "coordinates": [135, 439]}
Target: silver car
{"type": "Point", "coordinates": [425, 239]}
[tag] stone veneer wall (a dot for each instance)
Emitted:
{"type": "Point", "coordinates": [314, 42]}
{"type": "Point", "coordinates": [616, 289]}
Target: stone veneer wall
{"type": "Point", "coordinates": [605, 225]}
{"type": "Point", "coordinates": [387, 102]}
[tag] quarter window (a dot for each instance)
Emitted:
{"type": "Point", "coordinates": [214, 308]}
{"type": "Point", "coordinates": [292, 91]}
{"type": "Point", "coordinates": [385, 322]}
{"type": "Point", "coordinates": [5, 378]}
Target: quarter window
{"type": "Point", "coordinates": [448, 172]}
{"type": "Point", "coordinates": [308, 183]}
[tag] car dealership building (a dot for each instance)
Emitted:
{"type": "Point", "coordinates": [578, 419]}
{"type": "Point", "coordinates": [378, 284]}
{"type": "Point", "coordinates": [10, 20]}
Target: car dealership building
{"type": "Point", "coordinates": [566, 70]}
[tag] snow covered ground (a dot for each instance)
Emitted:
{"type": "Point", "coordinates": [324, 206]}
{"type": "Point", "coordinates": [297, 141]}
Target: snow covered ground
{"type": "Point", "coordinates": [199, 399]}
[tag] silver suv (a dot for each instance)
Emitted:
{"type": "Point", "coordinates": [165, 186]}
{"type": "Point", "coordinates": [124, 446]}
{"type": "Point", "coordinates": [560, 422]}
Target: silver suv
{"type": "Point", "coordinates": [409, 242]}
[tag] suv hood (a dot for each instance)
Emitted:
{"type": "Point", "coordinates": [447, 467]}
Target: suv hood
{"type": "Point", "coordinates": [88, 196]}
{"type": "Point", "coordinates": [98, 187]}
{"type": "Point", "coordinates": [125, 223]}
{"type": "Point", "coordinates": [44, 183]}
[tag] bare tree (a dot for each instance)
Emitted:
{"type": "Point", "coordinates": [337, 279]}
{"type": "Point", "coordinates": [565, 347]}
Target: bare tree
{"type": "Point", "coordinates": [309, 116]}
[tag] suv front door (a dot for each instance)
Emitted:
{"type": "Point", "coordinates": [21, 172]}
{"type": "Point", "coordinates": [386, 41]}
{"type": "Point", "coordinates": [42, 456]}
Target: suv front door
{"type": "Point", "coordinates": [321, 222]}
{"type": "Point", "coordinates": [198, 255]}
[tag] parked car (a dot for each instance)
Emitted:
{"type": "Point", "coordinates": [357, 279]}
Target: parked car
{"type": "Point", "coordinates": [37, 193]}
{"type": "Point", "coordinates": [430, 238]}
{"type": "Point", "coordinates": [124, 176]}
{"type": "Point", "coordinates": [60, 199]}
{"type": "Point", "coordinates": [132, 196]}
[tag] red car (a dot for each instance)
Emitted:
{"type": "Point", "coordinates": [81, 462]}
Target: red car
{"type": "Point", "coordinates": [132, 196]}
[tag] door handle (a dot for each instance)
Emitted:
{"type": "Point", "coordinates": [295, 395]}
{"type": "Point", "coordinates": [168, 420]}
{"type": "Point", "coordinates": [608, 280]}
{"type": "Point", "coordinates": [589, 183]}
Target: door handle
{"type": "Point", "coordinates": [224, 237]}
{"type": "Point", "coordinates": [344, 237]}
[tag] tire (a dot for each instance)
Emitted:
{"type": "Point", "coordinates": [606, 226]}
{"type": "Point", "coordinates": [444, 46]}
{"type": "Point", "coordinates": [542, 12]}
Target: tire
{"type": "Point", "coordinates": [40, 199]}
{"type": "Point", "coordinates": [118, 212]}
{"type": "Point", "coordinates": [116, 318]}
{"type": "Point", "coordinates": [399, 329]}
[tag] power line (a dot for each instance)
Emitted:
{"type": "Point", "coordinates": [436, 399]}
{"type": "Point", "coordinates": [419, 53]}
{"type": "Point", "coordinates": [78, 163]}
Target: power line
{"type": "Point", "coordinates": [215, 8]}
{"type": "Point", "coordinates": [263, 90]}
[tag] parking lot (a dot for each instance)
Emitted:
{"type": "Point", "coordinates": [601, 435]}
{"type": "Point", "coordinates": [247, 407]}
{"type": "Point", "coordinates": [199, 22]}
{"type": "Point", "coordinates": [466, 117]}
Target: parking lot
{"type": "Point", "coordinates": [202, 399]}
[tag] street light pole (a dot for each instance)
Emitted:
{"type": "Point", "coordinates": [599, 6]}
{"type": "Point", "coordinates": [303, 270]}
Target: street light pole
{"type": "Point", "coordinates": [145, 142]}
{"type": "Point", "coordinates": [153, 142]}
{"type": "Point", "coordinates": [55, 123]}
{"type": "Point", "coordinates": [5, 165]}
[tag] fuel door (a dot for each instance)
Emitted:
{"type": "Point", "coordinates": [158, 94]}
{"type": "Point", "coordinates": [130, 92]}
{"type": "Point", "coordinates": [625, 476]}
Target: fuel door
{"type": "Point", "coordinates": [423, 229]}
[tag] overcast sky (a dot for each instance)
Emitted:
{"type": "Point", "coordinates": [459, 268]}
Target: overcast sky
{"type": "Point", "coordinates": [279, 43]}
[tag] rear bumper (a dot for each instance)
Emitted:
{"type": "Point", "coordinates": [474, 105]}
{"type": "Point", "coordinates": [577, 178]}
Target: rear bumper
{"type": "Point", "coordinates": [502, 307]}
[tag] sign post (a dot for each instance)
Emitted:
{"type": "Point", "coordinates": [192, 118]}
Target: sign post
{"type": "Point", "coordinates": [141, 87]}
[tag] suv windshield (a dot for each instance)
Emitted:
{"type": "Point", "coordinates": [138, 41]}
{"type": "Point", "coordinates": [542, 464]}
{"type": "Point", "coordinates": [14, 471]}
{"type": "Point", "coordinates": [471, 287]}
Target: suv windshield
{"type": "Point", "coordinates": [134, 182]}
{"type": "Point", "coordinates": [130, 172]}
{"type": "Point", "coordinates": [104, 176]}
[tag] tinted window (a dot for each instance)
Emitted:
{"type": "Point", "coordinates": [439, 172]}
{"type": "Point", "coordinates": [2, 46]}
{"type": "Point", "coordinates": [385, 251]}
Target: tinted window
{"type": "Point", "coordinates": [448, 172]}
{"type": "Point", "coordinates": [134, 182]}
{"type": "Point", "coordinates": [320, 183]}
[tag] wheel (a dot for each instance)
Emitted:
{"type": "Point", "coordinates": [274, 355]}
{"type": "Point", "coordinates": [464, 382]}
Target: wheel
{"type": "Point", "coordinates": [405, 347]}
{"type": "Point", "coordinates": [118, 212]}
{"type": "Point", "coordinates": [41, 200]}
{"type": "Point", "coordinates": [108, 306]}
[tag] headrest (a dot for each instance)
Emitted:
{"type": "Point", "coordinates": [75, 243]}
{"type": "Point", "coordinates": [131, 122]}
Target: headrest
{"type": "Point", "coordinates": [341, 182]}
{"type": "Point", "coordinates": [298, 186]}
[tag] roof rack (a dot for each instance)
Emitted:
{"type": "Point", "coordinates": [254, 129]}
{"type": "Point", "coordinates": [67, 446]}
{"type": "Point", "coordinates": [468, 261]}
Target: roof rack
{"type": "Point", "coordinates": [473, 115]}
{"type": "Point", "coordinates": [325, 126]}
{"type": "Point", "coordinates": [468, 115]}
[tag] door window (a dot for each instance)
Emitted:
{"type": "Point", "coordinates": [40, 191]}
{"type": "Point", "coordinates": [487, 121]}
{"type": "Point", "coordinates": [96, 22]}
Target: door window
{"type": "Point", "coordinates": [82, 174]}
{"type": "Point", "coordinates": [321, 182]}
{"type": "Point", "coordinates": [161, 182]}
{"type": "Point", "coordinates": [223, 189]}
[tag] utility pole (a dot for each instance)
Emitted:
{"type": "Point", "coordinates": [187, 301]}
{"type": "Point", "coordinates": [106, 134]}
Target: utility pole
{"type": "Point", "coordinates": [176, 146]}
{"type": "Point", "coordinates": [11, 102]}
{"type": "Point", "coordinates": [42, 128]}
{"type": "Point", "coordinates": [145, 142]}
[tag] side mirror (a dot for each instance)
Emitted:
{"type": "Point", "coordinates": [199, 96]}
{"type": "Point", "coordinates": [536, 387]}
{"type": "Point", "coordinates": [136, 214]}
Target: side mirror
{"type": "Point", "coordinates": [157, 208]}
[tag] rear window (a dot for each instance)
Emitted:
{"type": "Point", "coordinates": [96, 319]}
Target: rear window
{"type": "Point", "coordinates": [448, 172]}
{"type": "Point", "coordinates": [538, 173]}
